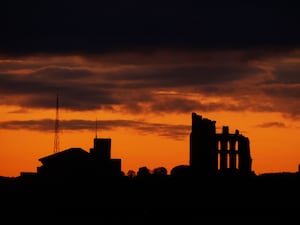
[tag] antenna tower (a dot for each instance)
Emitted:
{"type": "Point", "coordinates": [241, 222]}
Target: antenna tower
{"type": "Point", "coordinates": [56, 127]}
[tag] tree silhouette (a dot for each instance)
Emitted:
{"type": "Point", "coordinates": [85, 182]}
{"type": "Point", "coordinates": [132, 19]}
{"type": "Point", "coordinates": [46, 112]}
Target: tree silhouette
{"type": "Point", "coordinates": [143, 172]}
{"type": "Point", "coordinates": [131, 173]}
{"type": "Point", "coordinates": [160, 171]}
{"type": "Point", "coordinates": [181, 170]}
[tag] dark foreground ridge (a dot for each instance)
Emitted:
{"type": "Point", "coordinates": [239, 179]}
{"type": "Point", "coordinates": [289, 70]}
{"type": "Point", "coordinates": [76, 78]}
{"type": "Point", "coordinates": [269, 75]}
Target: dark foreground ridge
{"type": "Point", "coordinates": [75, 186]}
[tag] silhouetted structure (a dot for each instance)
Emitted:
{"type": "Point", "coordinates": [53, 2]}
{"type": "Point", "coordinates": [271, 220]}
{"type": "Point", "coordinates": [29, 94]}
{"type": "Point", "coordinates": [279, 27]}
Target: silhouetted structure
{"type": "Point", "coordinates": [211, 152]}
{"type": "Point", "coordinates": [100, 156]}
{"type": "Point", "coordinates": [72, 161]}
{"type": "Point", "coordinates": [76, 162]}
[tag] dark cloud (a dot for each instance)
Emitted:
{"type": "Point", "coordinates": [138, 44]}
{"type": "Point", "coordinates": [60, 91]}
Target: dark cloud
{"type": "Point", "coordinates": [165, 82]}
{"type": "Point", "coordinates": [168, 130]}
{"type": "Point", "coordinates": [289, 92]}
{"type": "Point", "coordinates": [90, 88]}
{"type": "Point", "coordinates": [70, 27]}
{"type": "Point", "coordinates": [45, 125]}
{"type": "Point", "coordinates": [183, 105]}
{"type": "Point", "coordinates": [174, 104]}
{"type": "Point", "coordinates": [38, 89]}
{"type": "Point", "coordinates": [272, 124]}
{"type": "Point", "coordinates": [56, 73]}
{"type": "Point", "coordinates": [185, 75]}
{"type": "Point", "coordinates": [288, 74]}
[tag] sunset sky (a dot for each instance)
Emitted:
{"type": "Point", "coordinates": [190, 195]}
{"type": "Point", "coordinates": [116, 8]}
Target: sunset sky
{"type": "Point", "coordinates": [140, 69]}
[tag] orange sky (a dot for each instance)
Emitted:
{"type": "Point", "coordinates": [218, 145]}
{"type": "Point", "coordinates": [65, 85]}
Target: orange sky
{"type": "Point", "coordinates": [144, 103]}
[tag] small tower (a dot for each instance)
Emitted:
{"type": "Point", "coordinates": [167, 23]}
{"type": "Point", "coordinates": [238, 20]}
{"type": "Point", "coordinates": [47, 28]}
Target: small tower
{"type": "Point", "coordinates": [102, 147]}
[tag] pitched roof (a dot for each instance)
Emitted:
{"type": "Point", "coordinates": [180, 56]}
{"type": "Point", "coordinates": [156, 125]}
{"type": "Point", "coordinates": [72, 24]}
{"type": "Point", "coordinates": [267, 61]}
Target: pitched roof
{"type": "Point", "coordinates": [66, 154]}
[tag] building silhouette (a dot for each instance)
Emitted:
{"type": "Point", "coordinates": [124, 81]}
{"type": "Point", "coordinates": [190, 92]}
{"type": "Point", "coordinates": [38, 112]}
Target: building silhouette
{"type": "Point", "coordinates": [100, 157]}
{"type": "Point", "coordinates": [212, 153]}
{"type": "Point", "coordinates": [76, 162]}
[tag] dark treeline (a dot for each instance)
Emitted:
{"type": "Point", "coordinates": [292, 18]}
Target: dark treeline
{"type": "Point", "coordinates": [148, 198]}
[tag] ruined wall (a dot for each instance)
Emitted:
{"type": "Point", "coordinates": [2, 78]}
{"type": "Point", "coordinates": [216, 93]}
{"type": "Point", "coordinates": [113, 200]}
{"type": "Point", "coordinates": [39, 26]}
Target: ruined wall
{"type": "Point", "coordinates": [211, 152]}
{"type": "Point", "coordinates": [203, 151]}
{"type": "Point", "coordinates": [234, 151]}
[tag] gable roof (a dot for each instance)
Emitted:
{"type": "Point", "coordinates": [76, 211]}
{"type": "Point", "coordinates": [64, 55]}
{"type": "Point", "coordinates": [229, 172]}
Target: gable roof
{"type": "Point", "coordinates": [71, 153]}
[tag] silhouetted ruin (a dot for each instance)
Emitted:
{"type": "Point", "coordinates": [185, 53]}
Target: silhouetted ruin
{"type": "Point", "coordinates": [212, 152]}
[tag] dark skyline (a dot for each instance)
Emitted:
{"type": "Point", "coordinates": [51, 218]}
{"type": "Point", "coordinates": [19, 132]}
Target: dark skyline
{"type": "Point", "coordinates": [75, 184]}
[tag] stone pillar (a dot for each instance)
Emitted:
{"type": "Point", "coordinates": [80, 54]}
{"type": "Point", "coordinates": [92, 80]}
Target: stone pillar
{"type": "Point", "coordinates": [232, 153]}
{"type": "Point", "coordinates": [224, 150]}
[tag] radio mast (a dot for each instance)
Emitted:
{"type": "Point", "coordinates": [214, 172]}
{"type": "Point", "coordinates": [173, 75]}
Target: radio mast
{"type": "Point", "coordinates": [56, 127]}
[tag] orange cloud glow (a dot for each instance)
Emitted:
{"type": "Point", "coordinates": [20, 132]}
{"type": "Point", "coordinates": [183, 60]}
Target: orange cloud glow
{"type": "Point", "coordinates": [144, 103]}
